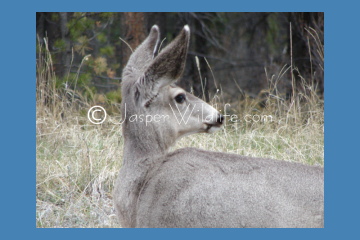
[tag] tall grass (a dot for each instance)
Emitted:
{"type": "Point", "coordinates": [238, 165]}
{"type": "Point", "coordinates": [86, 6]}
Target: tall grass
{"type": "Point", "coordinates": [77, 162]}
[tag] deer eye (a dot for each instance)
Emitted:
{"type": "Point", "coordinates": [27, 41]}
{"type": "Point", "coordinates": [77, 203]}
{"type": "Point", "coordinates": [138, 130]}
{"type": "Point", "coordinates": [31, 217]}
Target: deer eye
{"type": "Point", "coordinates": [180, 98]}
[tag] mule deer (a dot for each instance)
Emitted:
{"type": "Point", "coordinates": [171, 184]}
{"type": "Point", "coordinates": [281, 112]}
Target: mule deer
{"type": "Point", "coordinates": [191, 187]}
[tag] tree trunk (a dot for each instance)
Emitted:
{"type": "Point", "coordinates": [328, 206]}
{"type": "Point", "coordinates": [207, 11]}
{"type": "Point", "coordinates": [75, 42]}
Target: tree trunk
{"type": "Point", "coordinates": [133, 31]}
{"type": "Point", "coordinates": [66, 55]}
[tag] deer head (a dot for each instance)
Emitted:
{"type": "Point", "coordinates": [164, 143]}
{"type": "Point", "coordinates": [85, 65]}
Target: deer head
{"type": "Point", "coordinates": [156, 112]}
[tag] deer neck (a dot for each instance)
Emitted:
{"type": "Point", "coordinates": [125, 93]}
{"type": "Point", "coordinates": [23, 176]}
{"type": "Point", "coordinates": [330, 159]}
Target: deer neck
{"type": "Point", "coordinates": [145, 143]}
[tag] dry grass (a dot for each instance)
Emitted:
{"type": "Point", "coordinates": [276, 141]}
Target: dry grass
{"type": "Point", "coordinates": [77, 162]}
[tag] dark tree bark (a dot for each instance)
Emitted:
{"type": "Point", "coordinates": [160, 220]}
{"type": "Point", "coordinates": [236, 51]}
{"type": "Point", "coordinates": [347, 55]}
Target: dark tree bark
{"type": "Point", "coordinates": [40, 22]}
{"type": "Point", "coordinates": [66, 55]}
{"type": "Point", "coordinates": [133, 31]}
{"type": "Point", "coordinates": [159, 19]}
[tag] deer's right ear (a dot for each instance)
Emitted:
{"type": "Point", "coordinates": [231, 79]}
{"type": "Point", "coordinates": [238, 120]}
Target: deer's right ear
{"type": "Point", "coordinates": [147, 51]}
{"type": "Point", "coordinates": [166, 68]}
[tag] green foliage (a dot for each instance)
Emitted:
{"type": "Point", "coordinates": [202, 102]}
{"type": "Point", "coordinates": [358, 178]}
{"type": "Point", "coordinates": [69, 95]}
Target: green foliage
{"type": "Point", "coordinates": [78, 14]}
{"type": "Point", "coordinates": [69, 81]}
{"type": "Point", "coordinates": [107, 51]}
{"type": "Point", "coordinates": [89, 23]}
{"type": "Point", "coordinates": [106, 15]}
{"type": "Point", "coordinates": [90, 61]}
{"type": "Point", "coordinates": [84, 79]}
{"type": "Point", "coordinates": [78, 25]}
{"type": "Point", "coordinates": [60, 44]}
{"type": "Point", "coordinates": [114, 96]}
{"type": "Point", "coordinates": [75, 29]}
{"type": "Point", "coordinates": [82, 45]}
{"type": "Point", "coordinates": [55, 17]}
{"type": "Point", "coordinates": [100, 65]}
{"type": "Point", "coordinates": [101, 38]}
{"type": "Point", "coordinates": [60, 83]}
{"type": "Point", "coordinates": [115, 66]}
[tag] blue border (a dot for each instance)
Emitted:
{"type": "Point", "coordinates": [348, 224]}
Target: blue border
{"type": "Point", "coordinates": [341, 138]}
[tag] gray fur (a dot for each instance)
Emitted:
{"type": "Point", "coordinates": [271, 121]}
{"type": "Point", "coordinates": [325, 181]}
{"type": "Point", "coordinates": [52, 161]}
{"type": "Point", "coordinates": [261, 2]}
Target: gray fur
{"type": "Point", "coordinates": [192, 187]}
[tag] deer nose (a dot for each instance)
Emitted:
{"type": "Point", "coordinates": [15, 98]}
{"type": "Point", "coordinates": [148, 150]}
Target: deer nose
{"type": "Point", "coordinates": [220, 119]}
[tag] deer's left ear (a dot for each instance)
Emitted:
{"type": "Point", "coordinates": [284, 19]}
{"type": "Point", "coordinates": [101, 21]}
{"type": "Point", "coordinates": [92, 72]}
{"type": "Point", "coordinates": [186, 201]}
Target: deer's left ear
{"type": "Point", "coordinates": [166, 68]}
{"type": "Point", "coordinates": [170, 63]}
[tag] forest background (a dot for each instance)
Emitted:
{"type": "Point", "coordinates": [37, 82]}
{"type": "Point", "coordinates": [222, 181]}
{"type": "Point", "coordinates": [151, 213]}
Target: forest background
{"type": "Point", "coordinates": [235, 50]}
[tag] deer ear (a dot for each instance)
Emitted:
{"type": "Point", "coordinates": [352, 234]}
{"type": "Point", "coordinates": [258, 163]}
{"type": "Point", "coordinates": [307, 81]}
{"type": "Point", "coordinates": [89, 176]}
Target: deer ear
{"type": "Point", "coordinates": [170, 63]}
{"type": "Point", "coordinates": [166, 68]}
{"type": "Point", "coordinates": [145, 53]}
